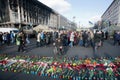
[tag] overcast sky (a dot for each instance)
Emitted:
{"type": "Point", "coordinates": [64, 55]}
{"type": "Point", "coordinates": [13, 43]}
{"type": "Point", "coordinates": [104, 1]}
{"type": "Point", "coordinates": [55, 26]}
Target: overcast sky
{"type": "Point", "coordinates": [83, 10]}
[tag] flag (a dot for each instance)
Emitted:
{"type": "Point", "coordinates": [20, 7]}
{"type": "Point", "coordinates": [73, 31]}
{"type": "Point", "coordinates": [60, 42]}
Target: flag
{"type": "Point", "coordinates": [90, 22]}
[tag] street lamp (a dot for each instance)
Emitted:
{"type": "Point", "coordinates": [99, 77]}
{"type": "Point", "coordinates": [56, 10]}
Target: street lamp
{"type": "Point", "coordinates": [79, 24]}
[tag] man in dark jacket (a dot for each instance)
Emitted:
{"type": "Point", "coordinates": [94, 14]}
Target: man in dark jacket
{"type": "Point", "coordinates": [106, 35]}
{"type": "Point", "coordinates": [115, 37]}
{"type": "Point", "coordinates": [97, 36]}
{"type": "Point", "coordinates": [1, 39]}
{"type": "Point", "coordinates": [97, 40]}
{"type": "Point", "coordinates": [20, 38]}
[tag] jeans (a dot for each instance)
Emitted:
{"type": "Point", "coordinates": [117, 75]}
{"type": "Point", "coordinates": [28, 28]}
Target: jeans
{"type": "Point", "coordinates": [38, 44]}
{"type": "Point", "coordinates": [71, 44]}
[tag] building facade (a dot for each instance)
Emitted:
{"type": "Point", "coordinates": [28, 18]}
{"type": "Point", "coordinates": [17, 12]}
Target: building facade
{"type": "Point", "coordinates": [64, 23]}
{"type": "Point", "coordinates": [112, 15]}
{"type": "Point", "coordinates": [18, 13]}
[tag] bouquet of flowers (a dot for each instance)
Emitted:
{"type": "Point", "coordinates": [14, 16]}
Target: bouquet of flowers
{"type": "Point", "coordinates": [67, 68]}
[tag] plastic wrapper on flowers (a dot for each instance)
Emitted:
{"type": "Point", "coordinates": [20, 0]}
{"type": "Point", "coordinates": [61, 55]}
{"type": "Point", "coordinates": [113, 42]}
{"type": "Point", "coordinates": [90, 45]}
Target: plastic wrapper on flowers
{"type": "Point", "coordinates": [68, 68]}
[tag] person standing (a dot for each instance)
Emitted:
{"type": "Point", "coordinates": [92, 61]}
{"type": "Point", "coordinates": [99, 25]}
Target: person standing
{"type": "Point", "coordinates": [106, 35]}
{"type": "Point", "coordinates": [118, 37]}
{"type": "Point", "coordinates": [12, 36]}
{"type": "Point", "coordinates": [71, 39]}
{"type": "Point", "coordinates": [97, 40]}
{"type": "Point", "coordinates": [115, 38]}
{"type": "Point", "coordinates": [80, 39]}
{"type": "Point", "coordinates": [1, 39]}
{"type": "Point", "coordinates": [42, 38]}
{"type": "Point", "coordinates": [85, 38]}
{"type": "Point", "coordinates": [38, 39]}
{"type": "Point", "coordinates": [8, 38]}
{"type": "Point", "coordinates": [20, 41]}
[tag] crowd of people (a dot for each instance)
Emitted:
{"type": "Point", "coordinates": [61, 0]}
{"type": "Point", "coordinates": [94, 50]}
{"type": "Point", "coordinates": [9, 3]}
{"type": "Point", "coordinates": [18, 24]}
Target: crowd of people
{"type": "Point", "coordinates": [72, 38]}
{"type": "Point", "coordinates": [61, 38]}
{"type": "Point", "coordinates": [7, 38]}
{"type": "Point", "coordinates": [11, 38]}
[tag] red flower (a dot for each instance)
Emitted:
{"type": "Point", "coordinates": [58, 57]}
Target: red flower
{"type": "Point", "coordinates": [70, 78]}
{"type": "Point", "coordinates": [39, 73]}
{"type": "Point", "coordinates": [61, 76]}
{"type": "Point", "coordinates": [49, 75]}
{"type": "Point", "coordinates": [4, 62]}
{"type": "Point", "coordinates": [95, 73]}
{"type": "Point", "coordinates": [116, 74]}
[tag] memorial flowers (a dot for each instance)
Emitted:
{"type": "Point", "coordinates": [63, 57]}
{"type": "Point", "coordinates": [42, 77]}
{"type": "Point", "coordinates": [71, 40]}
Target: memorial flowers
{"type": "Point", "coordinates": [67, 68]}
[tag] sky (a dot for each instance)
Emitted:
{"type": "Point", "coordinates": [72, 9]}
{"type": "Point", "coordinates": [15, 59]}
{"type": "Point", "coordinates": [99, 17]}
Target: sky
{"type": "Point", "coordinates": [83, 11]}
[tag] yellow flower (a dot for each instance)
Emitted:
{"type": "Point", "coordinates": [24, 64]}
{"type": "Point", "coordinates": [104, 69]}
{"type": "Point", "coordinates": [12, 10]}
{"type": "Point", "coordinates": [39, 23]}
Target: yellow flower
{"type": "Point", "coordinates": [74, 64]}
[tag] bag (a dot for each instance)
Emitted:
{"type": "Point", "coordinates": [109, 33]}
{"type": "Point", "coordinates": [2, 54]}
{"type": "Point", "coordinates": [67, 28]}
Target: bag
{"type": "Point", "coordinates": [17, 42]}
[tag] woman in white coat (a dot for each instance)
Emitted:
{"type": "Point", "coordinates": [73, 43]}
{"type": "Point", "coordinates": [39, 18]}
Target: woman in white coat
{"type": "Point", "coordinates": [71, 39]}
{"type": "Point", "coordinates": [38, 39]}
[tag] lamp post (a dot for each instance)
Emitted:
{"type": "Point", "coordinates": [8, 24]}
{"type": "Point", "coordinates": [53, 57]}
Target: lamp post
{"type": "Point", "coordinates": [73, 27]}
{"type": "Point", "coordinates": [79, 24]}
